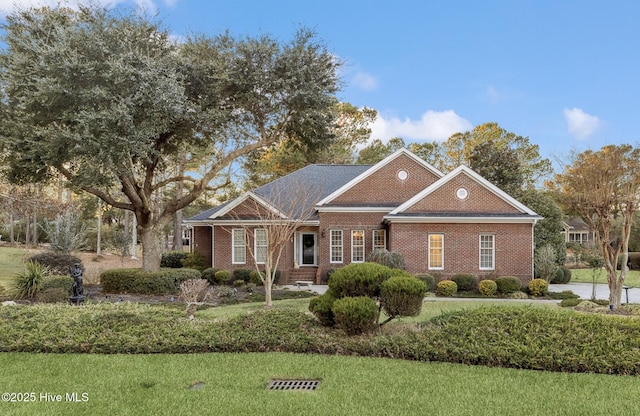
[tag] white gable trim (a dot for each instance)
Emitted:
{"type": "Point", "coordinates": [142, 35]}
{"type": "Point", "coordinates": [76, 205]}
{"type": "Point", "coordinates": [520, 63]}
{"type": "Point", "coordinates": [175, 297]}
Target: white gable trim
{"type": "Point", "coordinates": [376, 168]}
{"type": "Point", "coordinates": [473, 175]}
{"type": "Point", "coordinates": [242, 198]}
{"type": "Point", "coordinates": [426, 219]}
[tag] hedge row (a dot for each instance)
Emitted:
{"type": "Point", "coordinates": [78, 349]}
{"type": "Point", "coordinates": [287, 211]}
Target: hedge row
{"type": "Point", "coordinates": [527, 338]}
{"type": "Point", "coordinates": [166, 281]}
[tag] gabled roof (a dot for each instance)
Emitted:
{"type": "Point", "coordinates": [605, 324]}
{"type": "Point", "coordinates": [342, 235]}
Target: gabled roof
{"type": "Point", "coordinates": [374, 169]}
{"type": "Point", "coordinates": [525, 212]}
{"type": "Point", "coordinates": [322, 179]}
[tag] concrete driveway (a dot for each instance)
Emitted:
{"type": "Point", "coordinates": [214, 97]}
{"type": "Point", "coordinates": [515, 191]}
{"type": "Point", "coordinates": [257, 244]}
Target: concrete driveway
{"type": "Point", "coordinates": [584, 290]}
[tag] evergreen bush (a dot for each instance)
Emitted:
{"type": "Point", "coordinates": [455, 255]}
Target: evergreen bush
{"type": "Point", "coordinates": [508, 284]}
{"type": "Point", "coordinates": [242, 274]}
{"type": "Point", "coordinates": [223, 277]}
{"type": "Point", "coordinates": [210, 275]}
{"type": "Point", "coordinates": [359, 279]}
{"type": "Point", "coordinates": [355, 315]}
{"type": "Point", "coordinates": [487, 287]}
{"type": "Point", "coordinates": [391, 259]}
{"type": "Point", "coordinates": [465, 282]}
{"type": "Point", "coordinates": [321, 307]}
{"type": "Point", "coordinates": [446, 288]}
{"type": "Point", "coordinates": [58, 282]}
{"type": "Point", "coordinates": [257, 278]}
{"type": "Point", "coordinates": [402, 296]}
{"type": "Point", "coordinates": [173, 259]}
{"type": "Point", "coordinates": [538, 287]}
{"type": "Point", "coordinates": [195, 261]}
{"type": "Point", "coordinates": [53, 295]}
{"type": "Point", "coordinates": [429, 280]}
{"type": "Point", "coordinates": [57, 263]}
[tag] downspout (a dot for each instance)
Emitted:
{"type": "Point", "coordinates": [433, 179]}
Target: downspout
{"type": "Point", "coordinates": [212, 245]}
{"type": "Point", "coordinates": [533, 248]}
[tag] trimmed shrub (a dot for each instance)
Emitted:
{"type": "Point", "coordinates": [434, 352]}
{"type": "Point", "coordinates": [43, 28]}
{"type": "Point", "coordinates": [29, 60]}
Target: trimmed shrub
{"type": "Point", "coordinates": [391, 259]}
{"type": "Point", "coordinates": [359, 279]}
{"type": "Point", "coordinates": [567, 274]}
{"type": "Point", "coordinates": [446, 288]}
{"type": "Point", "coordinates": [320, 307]}
{"type": "Point", "coordinates": [402, 296]}
{"type": "Point", "coordinates": [487, 287]}
{"type": "Point", "coordinates": [567, 294]}
{"type": "Point", "coordinates": [242, 274]}
{"type": "Point", "coordinates": [210, 275]}
{"type": "Point", "coordinates": [118, 280]}
{"type": "Point", "coordinates": [195, 261]}
{"type": "Point", "coordinates": [517, 295]}
{"type": "Point", "coordinates": [256, 277]}
{"type": "Point", "coordinates": [538, 287]}
{"type": "Point", "coordinates": [429, 280]}
{"type": "Point", "coordinates": [58, 282]}
{"type": "Point", "coordinates": [26, 284]}
{"type": "Point", "coordinates": [465, 282]}
{"type": "Point", "coordinates": [53, 295]}
{"type": "Point", "coordinates": [570, 302]}
{"type": "Point", "coordinates": [173, 259]}
{"type": "Point", "coordinates": [563, 276]}
{"type": "Point", "coordinates": [223, 277]}
{"type": "Point", "coordinates": [153, 284]}
{"type": "Point", "coordinates": [238, 283]}
{"type": "Point", "coordinates": [57, 263]}
{"type": "Point", "coordinates": [166, 281]}
{"type": "Point", "coordinates": [508, 284]}
{"type": "Point", "coordinates": [355, 315]}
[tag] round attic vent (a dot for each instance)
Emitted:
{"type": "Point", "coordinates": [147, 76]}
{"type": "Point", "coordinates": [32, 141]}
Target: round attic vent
{"type": "Point", "coordinates": [462, 193]}
{"type": "Point", "coordinates": [402, 175]}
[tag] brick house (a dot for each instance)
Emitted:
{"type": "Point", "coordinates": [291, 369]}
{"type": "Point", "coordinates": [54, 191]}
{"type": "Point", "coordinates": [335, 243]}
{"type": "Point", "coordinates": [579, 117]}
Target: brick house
{"type": "Point", "coordinates": [442, 224]}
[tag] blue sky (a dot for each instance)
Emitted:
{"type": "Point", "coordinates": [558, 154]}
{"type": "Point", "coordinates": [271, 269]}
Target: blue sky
{"type": "Point", "coordinates": [566, 74]}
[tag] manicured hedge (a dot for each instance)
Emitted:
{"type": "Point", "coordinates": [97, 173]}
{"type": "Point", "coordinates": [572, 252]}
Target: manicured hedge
{"type": "Point", "coordinates": [359, 279]}
{"type": "Point", "coordinates": [58, 263]}
{"type": "Point", "coordinates": [173, 259]}
{"type": "Point", "coordinates": [517, 337]}
{"type": "Point", "coordinates": [465, 282]}
{"type": "Point", "coordinates": [166, 281]}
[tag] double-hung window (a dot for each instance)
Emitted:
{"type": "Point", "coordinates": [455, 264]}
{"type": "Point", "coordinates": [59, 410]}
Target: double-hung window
{"type": "Point", "coordinates": [379, 239]}
{"type": "Point", "coordinates": [436, 252]}
{"type": "Point", "coordinates": [487, 252]}
{"type": "Point", "coordinates": [357, 246]}
{"type": "Point", "coordinates": [336, 246]}
{"type": "Point", "coordinates": [239, 253]}
{"type": "Point", "coordinates": [260, 245]}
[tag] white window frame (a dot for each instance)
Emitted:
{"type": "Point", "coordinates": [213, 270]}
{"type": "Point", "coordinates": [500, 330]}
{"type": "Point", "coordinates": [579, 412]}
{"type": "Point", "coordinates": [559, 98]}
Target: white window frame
{"type": "Point", "coordinates": [260, 250]}
{"type": "Point", "coordinates": [492, 238]}
{"type": "Point", "coordinates": [375, 236]}
{"type": "Point", "coordinates": [336, 256]}
{"type": "Point", "coordinates": [238, 243]}
{"type": "Point", "coordinates": [430, 265]}
{"type": "Point", "coordinates": [353, 246]}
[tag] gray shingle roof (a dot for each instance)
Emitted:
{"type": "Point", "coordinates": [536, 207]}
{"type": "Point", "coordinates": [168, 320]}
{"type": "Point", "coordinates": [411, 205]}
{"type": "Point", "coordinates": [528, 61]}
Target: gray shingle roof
{"type": "Point", "coordinates": [321, 180]}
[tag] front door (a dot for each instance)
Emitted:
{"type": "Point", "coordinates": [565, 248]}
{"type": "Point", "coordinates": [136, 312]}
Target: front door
{"type": "Point", "coordinates": [307, 249]}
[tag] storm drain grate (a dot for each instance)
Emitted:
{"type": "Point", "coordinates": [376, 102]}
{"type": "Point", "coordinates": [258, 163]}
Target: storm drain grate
{"type": "Point", "coordinates": [293, 384]}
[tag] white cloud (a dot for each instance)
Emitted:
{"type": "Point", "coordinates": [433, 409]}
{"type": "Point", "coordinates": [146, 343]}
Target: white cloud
{"type": "Point", "coordinates": [580, 124]}
{"type": "Point", "coordinates": [492, 94]}
{"type": "Point", "coordinates": [365, 81]}
{"type": "Point", "coordinates": [433, 125]}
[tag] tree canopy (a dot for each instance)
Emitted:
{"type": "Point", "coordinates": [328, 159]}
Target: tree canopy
{"type": "Point", "coordinates": [111, 102]}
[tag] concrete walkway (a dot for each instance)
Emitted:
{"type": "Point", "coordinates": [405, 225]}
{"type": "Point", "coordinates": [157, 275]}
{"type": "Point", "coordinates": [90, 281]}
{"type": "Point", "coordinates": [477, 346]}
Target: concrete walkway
{"type": "Point", "coordinates": [581, 289]}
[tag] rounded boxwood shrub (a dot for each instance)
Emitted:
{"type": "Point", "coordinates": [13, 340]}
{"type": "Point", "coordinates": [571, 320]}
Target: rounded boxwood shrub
{"type": "Point", "coordinates": [223, 277]}
{"type": "Point", "coordinates": [402, 296]}
{"type": "Point", "coordinates": [359, 279]}
{"type": "Point", "coordinates": [173, 259]}
{"type": "Point", "coordinates": [256, 277]}
{"type": "Point", "coordinates": [446, 288]}
{"type": "Point", "coordinates": [465, 282]}
{"type": "Point", "coordinates": [210, 275]}
{"type": "Point", "coordinates": [195, 261]}
{"type": "Point", "coordinates": [355, 315]}
{"type": "Point", "coordinates": [242, 274]}
{"type": "Point", "coordinates": [57, 263]}
{"type": "Point", "coordinates": [538, 287]}
{"type": "Point", "coordinates": [508, 284]}
{"type": "Point", "coordinates": [487, 287]}
{"type": "Point", "coordinates": [429, 280]}
{"type": "Point", "coordinates": [391, 259]}
{"type": "Point", "coordinates": [320, 307]}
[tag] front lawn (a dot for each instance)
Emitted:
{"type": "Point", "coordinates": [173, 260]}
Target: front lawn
{"type": "Point", "coordinates": [586, 276]}
{"type": "Point", "coordinates": [11, 263]}
{"type": "Point", "coordinates": [234, 384]}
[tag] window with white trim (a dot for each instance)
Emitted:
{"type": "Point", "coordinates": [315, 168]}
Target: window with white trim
{"type": "Point", "coordinates": [239, 254]}
{"type": "Point", "coordinates": [336, 246]}
{"type": "Point", "coordinates": [379, 239]}
{"type": "Point", "coordinates": [260, 245]}
{"type": "Point", "coordinates": [487, 252]}
{"type": "Point", "coordinates": [357, 246]}
{"type": "Point", "coordinates": [436, 252]}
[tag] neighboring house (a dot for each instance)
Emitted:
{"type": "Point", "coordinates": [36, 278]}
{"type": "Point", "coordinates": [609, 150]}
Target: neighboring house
{"type": "Point", "coordinates": [575, 230]}
{"type": "Point", "coordinates": [442, 224]}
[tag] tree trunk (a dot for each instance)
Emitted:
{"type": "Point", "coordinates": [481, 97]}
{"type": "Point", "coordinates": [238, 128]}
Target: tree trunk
{"type": "Point", "coordinates": [151, 238]}
{"type": "Point", "coordinates": [615, 289]}
{"type": "Point", "coordinates": [177, 232]}
{"type": "Point", "coordinates": [99, 237]}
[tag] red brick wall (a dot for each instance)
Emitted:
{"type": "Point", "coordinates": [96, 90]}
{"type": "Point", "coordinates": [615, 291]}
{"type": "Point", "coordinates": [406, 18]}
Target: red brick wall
{"type": "Point", "coordinates": [479, 199]}
{"type": "Point", "coordinates": [202, 242]}
{"type": "Point", "coordinates": [513, 248]}
{"type": "Point", "coordinates": [384, 186]}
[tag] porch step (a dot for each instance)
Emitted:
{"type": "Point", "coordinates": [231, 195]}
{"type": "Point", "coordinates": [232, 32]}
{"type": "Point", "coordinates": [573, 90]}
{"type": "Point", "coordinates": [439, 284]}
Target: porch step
{"type": "Point", "coordinates": [302, 274]}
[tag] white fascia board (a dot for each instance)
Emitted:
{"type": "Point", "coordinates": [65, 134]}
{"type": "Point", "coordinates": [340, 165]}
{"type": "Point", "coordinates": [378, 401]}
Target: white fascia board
{"type": "Point", "coordinates": [473, 175]}
{"type": "Point", "coordinates": [460, 220]}
{"type": "Point", "coordinates": [255, 222]}
{"type": "Point", "coordinates": [242, 198]}
{"type": "Point", "coordinates": [374, 169]}
{"type": "Point", "coordinates": [353, 209]}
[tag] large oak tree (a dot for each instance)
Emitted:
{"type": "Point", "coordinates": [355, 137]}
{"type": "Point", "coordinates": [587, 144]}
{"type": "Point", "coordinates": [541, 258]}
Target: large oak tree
{"type": "Point", "coordinates": [112, 102]}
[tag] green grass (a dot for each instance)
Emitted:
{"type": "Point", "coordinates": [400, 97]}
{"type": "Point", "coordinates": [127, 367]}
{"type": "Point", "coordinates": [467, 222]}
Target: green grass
{"type": "Point", "coordinates": [586, 276]}
{"type": "Point", "coordinates": [11, 263]}
{"type": "Point", "coordinates": [235, 384]}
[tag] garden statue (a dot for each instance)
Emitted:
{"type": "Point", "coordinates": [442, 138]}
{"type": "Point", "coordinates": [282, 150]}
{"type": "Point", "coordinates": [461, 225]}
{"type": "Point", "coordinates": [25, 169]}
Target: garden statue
{"type": "Point", "coordinates": [78, 289]}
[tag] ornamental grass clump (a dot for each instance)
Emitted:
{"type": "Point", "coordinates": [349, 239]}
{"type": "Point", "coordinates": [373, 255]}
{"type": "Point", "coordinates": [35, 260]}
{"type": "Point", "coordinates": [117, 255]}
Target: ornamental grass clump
{"type": "Point", "coordinates": [26, 284]}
